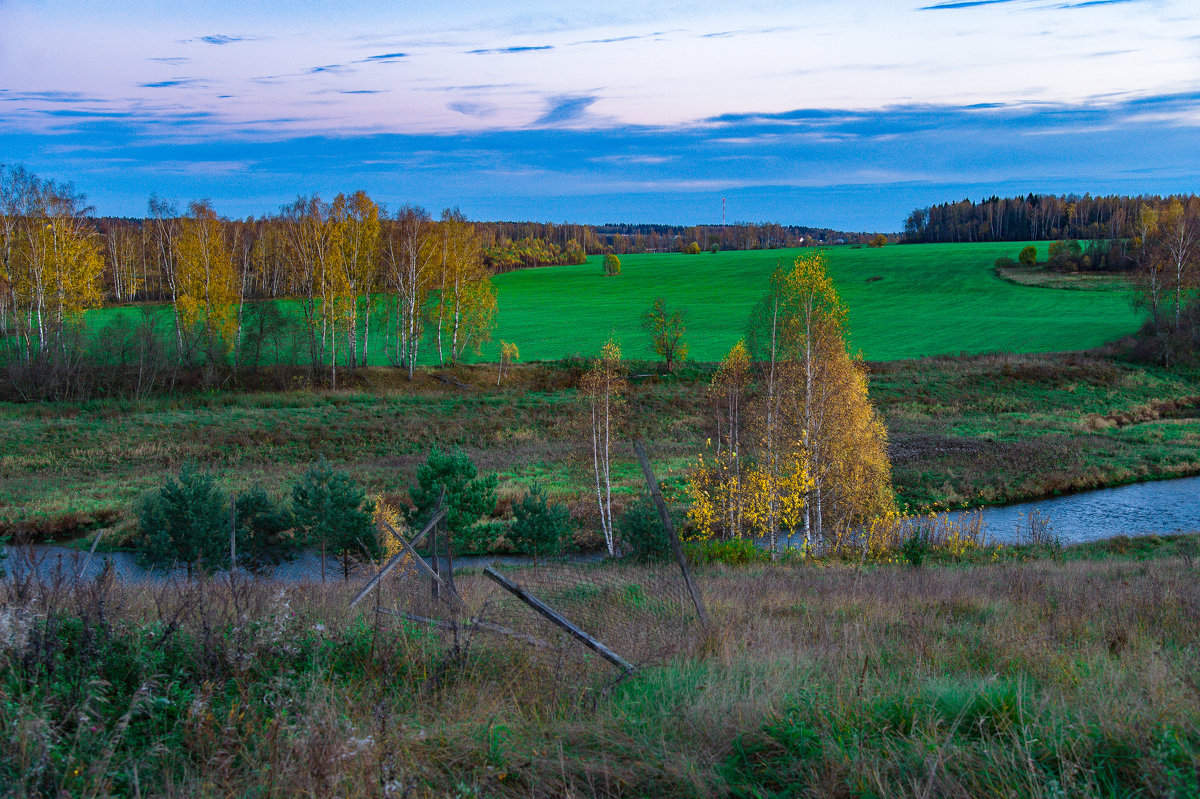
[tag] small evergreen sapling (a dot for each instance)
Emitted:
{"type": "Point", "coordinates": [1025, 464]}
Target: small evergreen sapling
{"type": "Point", "coordinates": [540, 526]}
{"type": "Point", "coordinates": [186, 521]}
{"type": "Point", "coordinates": [642, 532]}
{"type": "Point", "coordinates": [264, 535]}
{"type": "Point", "coordinates": [468, 496]}
{"type": "Point", "coordinates": [335, 515]}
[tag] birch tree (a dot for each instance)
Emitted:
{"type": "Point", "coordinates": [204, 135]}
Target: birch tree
{"type": "Point", "coordinates": [358, 264]}
{"type": "Point", "coordinates": [1179, 240]}
{"type": "Point", "coordinates": [464, 309]}
{"type": "Point", "coordinates": [408, 268]}
{"type": "Point", "coordinates": [815, 424]}
{"type": "Point", "coordinates": [206, 285]}
{"type": "Point", "coordinates": [54, 262]}
{"type": "Point", "coordinates": [601, 390]}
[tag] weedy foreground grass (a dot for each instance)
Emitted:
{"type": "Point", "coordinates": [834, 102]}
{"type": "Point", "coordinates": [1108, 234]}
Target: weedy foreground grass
{"type": "Point", "coordinates": [1034, 675]}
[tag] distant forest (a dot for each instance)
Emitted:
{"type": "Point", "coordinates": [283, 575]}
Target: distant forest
{"type": "Point", "coordinates": [622, 238]}
{"type": "Point", "coordinates": [1035, 217]}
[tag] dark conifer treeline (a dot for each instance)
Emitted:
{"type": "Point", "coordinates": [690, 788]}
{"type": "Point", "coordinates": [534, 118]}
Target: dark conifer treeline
{"type": "Point", "coordinates": [1034, 217]}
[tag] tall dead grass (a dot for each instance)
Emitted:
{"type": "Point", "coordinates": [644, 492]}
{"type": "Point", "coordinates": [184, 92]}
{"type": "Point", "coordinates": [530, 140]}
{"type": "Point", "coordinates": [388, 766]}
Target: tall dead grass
{"type": "Point", "coordinates": [1037, 678]}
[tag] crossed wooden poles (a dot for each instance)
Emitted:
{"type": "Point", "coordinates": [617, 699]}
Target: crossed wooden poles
{"type": "Point", "coordinates": [442, 585]}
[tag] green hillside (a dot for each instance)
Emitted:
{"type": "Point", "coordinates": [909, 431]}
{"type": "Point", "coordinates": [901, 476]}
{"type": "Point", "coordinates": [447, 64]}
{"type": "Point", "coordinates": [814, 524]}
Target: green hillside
{"type": "Point", "coordinates": [903, 302]}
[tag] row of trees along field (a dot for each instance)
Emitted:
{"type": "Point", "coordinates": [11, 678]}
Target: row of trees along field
{"type": "Point", "coordinates": [340, 259]}
{"type": "Point", "coordinates": [624, 239]}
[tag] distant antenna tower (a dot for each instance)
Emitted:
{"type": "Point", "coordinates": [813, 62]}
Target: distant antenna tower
{"type": "Point", "coordinates": [722, 221]}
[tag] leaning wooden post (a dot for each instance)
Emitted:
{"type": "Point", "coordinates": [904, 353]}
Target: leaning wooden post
{"type": "Point", "coordinates": [551, 614]}
{"type": "Point", "coordinates": [83, 569]}
{"type": "Point", "coordinates": [232, 534]}
{"type": "Point", "coordinates": [669, 526]}
{"type": "Point", "coordinates": [448, 576]}
{"type": "Point", "coordinates": [405, 550]}
{"type": "Point", "coordinates": [433, 549]}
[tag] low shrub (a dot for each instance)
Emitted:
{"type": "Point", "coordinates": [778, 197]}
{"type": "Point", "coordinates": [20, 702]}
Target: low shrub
{"type": "Point", "coordinates": [914, 548]}
{"type": "Point", "coordinates": [733, 552]}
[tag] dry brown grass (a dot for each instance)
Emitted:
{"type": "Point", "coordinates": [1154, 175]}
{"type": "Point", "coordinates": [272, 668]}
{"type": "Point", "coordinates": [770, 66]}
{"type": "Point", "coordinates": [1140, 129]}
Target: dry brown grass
{"type": "Point", "coordinates": [1038, 678]}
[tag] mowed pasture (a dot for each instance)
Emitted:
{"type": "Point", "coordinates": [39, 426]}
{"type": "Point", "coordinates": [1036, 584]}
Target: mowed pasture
{"type": "Point", "coordinates": [903, 301]}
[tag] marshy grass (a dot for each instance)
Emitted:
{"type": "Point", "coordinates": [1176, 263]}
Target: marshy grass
{"type": "Point", "coordinates": [1042, 674]}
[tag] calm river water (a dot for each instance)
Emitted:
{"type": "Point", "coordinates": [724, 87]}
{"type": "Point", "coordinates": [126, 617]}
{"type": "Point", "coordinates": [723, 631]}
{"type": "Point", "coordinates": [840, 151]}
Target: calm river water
{"type": "Point", "coordinates": [1161, 507]}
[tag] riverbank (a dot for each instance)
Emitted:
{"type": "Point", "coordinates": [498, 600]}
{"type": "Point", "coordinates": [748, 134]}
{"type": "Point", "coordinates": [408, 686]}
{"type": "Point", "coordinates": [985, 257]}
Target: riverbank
{"type": "Point", "coordinates": [1054, 673]}
{"type": "Point", "coordinates": [964, 432]}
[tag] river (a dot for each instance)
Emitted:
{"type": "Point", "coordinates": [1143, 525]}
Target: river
{"type": "Point", "coordinates": [1161, 507]}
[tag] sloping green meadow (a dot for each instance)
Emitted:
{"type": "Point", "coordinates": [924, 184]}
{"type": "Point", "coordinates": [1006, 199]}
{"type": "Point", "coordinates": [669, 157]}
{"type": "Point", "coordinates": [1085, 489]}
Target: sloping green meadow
{"type": "Point", "coordinates": [905, 301]}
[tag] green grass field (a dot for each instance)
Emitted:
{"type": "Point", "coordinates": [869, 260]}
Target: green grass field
{"type": "Point", "coordinates": [903, 301]}
{"type": "Point", "coordinates": [906, 301]}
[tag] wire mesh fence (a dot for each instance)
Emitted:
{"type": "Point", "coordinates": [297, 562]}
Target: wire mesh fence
{"type": "Point", "coordinates": [579, 620]}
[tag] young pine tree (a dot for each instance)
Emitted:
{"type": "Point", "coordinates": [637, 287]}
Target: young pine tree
{"type": "Point", "coordinates": [468, 496]}
{"type": "Point", "coordinates": [334, 515]}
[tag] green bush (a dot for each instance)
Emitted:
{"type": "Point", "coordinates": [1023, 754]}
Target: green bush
{"type": "Point", "coordinates": [612, 265]}
{"type": "Point", "coordinates": [468, 496]}
{"type": "Point", "coordinates": [481, 537]}
{"type": "Point", "coordinates": [1028, 255]}
{"type": "Point", "coordinates": [335, 515]}
{"type": "Point", "coordinates": [1004, 262]}
{"type": "Point", "coordinates": [642, 532]}
{"type": "Point", "coordinates": [540, 526]}
{"type": "Point", "coordinates": [734, 552]}
{"type": "Point", "coordinates": [185, 521]}
{"type": "Point", "coordinates": [915, 548]}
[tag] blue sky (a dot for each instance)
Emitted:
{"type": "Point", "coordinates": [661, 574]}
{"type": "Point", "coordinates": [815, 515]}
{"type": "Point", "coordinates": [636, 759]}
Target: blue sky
{"type": "Point", "coordinates": [846, 115]}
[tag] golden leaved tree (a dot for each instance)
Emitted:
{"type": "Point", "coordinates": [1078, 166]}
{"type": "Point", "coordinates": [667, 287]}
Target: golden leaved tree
{"type": "Point", "coordinates": [464, 304]}
{"type": "Point", "coordinates": [819, 452]}
{"type": "Point", "coordinates": [357, 262]}
{"type": "Point", "coordinates": [52, 262]}
{"type": "Point", "coordinates": [207, 289]}
{"type": "Point", "coordinates": [408, 266]}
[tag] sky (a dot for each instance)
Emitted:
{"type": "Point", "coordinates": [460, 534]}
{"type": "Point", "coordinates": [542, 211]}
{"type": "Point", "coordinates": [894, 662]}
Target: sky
{"type": "Point", "coordinates": [846, 114]}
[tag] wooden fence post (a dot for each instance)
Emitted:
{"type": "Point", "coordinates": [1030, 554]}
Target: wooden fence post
{"type": "Point", "coordinates": [669, 526]}
{"type": "Point", "coordinates": [433, 544]}
{"type": "Point", "coordinates": [232, 534]}
{"type": "Point", "coordinates": [421, 564]}
{"type": "Point", "coordinates": [405, 551]}
{"type": "Point", "coordinates": [551, 614]}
